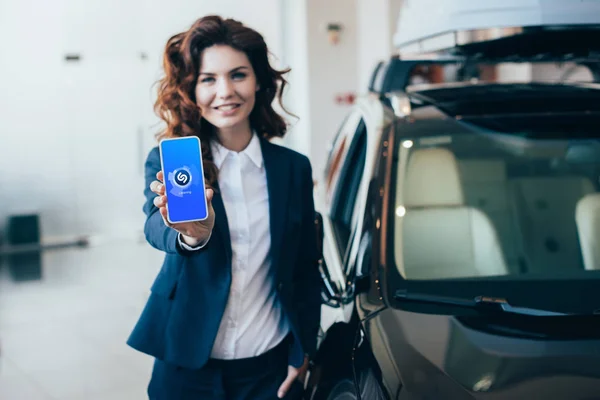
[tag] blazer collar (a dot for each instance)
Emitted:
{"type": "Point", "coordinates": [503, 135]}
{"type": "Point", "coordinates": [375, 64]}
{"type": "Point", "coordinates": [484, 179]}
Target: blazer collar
{"type": "Point", "coordinates": [221, 223]}
{"type": "Point", "coordinates": [278, 170]}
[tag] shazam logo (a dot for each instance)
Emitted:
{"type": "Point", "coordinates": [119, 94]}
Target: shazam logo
{"type": "Point", "coordinates": [181, 180]}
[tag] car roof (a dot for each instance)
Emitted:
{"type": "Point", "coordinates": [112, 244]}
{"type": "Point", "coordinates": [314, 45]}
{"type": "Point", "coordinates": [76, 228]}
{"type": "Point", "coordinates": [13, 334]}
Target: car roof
{"type": "Point", "coordinates": [425, 26]}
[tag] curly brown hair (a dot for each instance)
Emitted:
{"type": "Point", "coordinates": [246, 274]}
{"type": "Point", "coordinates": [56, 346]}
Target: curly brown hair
{"type": "Point", "coordinates": [176, 102]}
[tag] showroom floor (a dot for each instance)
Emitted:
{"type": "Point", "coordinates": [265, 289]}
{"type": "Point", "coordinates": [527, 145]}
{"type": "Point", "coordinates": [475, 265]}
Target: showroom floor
{"type": "Point", "coordinates": [63, 327]}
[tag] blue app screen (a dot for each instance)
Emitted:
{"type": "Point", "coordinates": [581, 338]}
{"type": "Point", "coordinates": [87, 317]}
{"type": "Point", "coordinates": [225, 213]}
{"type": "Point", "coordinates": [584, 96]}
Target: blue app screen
{"type": "Point", "coordinates": [183, 179]}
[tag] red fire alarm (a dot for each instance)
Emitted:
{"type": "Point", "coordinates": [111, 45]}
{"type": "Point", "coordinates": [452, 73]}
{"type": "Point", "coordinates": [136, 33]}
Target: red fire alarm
{"type": "Point", "coordinates": [345, 98]}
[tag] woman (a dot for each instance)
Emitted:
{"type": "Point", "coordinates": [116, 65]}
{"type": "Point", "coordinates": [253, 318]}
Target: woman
{"type": "Point", "coordinates": [235, 309]}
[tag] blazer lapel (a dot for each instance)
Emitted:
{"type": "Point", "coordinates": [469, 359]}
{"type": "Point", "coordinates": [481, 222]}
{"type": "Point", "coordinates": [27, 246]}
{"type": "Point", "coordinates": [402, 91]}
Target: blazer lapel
{"type": "Point", "coordinates": [221, 223]}
{"type": "Point", "coordinates": [278, 182]}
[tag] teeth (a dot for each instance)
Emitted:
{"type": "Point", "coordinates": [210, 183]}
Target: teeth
{"type": "Point", "coordinates": [227, 108]}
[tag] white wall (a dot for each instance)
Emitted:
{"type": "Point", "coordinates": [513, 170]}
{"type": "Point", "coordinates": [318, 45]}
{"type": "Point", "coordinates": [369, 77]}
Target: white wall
{"type": "Point", "coordinates": [544, 72]}
{"type": "Point", "coordinates": [74, 135]}
{"type": "Point", "coordinates": [567, 71]}
{"type": "Point", "coordinates": [320, 72]}
{"type": "Point", "coordinates": [376, 20]}
{"type": "Point", "coordinates": [295, 55]}
{"type": "Point", "coordinates": [511, 72]}
{"type": "Point", "coordinates": [34, 140]}
{"type": "Point", "coordinates": [332, 69]}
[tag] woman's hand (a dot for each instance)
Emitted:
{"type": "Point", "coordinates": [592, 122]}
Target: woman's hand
{"type": "Point", "coordinates": [193, 233]}
{"type": "Point", "coordinates": [294, 374]}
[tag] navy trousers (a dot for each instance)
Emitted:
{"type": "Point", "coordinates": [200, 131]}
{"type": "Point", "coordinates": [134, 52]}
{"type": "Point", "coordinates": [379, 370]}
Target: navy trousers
{"type": "Point", "coordinates": [256, 378]}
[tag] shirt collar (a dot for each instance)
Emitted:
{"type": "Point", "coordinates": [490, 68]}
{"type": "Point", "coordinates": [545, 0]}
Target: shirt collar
{"type": "Point", "coordinates": [253, 152]}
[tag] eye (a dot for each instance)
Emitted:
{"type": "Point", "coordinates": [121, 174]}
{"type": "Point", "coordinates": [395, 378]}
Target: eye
{"type": "Point", "coordinates": [238, 75]}
{"type": "Point", "coordinates": [207, 79]}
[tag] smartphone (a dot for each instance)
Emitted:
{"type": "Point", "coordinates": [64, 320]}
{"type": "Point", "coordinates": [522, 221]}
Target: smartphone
{"type": "Point", "coordinates": [181, 163]}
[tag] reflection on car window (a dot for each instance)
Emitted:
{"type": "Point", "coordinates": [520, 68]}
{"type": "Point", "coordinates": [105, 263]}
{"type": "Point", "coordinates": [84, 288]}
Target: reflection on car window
{"type": "Point", "coordinates": [350, 177]}
{"type": "Point", "coordinates": [338, 154]}
{"type": "Point", "coordinates": [472, 204]}
{"type": "Point", "coordinates": [336, 158]}
{"type": "Point", "coordinates": [334, 150]}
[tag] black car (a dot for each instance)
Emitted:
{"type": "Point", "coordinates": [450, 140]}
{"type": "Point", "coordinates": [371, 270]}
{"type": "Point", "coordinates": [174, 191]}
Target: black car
{"type": "Point", "coordinates": [461, 225]}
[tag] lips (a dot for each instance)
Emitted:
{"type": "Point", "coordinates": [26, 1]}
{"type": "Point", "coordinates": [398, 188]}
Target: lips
{"type": "Point", "coordinates": [227, 107]}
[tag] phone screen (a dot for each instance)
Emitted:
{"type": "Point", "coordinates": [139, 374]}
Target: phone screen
{"type": "Point", "coordinates": [181, 160]}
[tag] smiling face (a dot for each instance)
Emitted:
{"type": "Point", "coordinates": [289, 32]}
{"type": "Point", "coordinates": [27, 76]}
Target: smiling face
{"type": "Point", "coordinates": [226, 88]}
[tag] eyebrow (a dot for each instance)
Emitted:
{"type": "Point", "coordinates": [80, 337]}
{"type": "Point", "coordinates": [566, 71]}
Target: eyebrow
{"type": "Point", "coordinates": [233, 70]}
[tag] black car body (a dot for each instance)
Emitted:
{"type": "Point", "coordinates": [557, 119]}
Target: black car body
{"type": "Point", "coordinates": [461, 255]}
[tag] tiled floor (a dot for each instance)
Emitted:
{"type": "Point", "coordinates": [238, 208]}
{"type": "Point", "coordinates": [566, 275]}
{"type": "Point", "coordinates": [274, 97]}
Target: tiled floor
{"type": "Point", "coordinates": [62, 336]}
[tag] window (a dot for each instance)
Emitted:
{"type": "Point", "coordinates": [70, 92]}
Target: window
{"type": "Point", "coordinates": [475, 204]}
{"type": "Point", "coordinates": [338, 154]}
{"type": "Point", "coordinates": [335, 148]}
{"type": "Point", "coordinates": [346, 190]}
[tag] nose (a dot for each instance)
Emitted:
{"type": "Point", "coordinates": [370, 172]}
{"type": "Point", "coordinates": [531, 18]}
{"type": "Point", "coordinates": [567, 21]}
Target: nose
{"type": "Point", "coordinates": [225, 89]}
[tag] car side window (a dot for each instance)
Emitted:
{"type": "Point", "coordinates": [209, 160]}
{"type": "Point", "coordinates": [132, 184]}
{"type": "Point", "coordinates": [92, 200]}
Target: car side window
{"type": "Point", "coordinates": [346, 191]}
{"type": "Point", "coordinates": [335, 150]}
{"type": "Point", "coordinates": [338, 155]}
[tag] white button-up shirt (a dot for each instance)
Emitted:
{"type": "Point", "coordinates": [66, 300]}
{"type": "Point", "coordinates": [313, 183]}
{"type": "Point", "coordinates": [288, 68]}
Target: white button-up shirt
{"type": "Point", "coordinates": [254, 321]}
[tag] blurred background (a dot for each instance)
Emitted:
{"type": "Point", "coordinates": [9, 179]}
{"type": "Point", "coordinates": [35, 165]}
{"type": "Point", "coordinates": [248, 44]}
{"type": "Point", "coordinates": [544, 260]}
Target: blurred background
{"type": "Point", "coordinates": [77, 123]}
{"type": "Point", "coordinates": [78, 91]}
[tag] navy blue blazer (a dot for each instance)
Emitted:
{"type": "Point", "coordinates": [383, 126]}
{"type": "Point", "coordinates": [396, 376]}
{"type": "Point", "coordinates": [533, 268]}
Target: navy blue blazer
{"type": "Point", "coordinates": [180, 321]}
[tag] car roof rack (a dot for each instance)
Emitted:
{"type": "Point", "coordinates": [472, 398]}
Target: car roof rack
{"type": "Point", "coordinates": [467, 33]}
{"type": "Point", "coordinates": [394, 74]}
{"type": "Point", "coordinates": [467, 27]}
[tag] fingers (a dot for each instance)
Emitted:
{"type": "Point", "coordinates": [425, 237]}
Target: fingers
{"type": "Point", "coordinates": [157, 188]}
{"type": "Point", "coordinates": [160, 201]}
{"type": "Point", "coordinates": [163, 213]}
{"type": "Point", "coordinates": [209, 195]}
{"type": "Point", "coordinates": [287, 384]}
{"type": "Point", "coordinates": [160, 176]}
